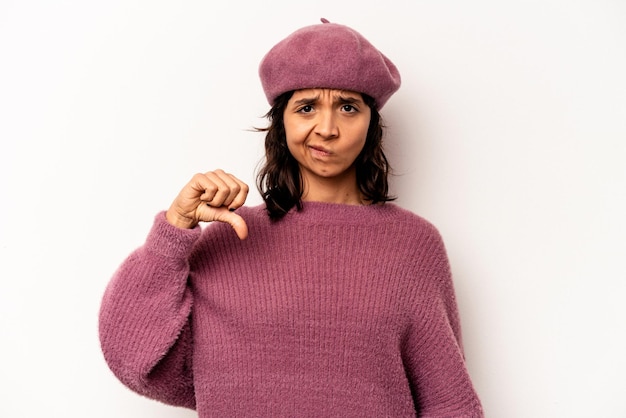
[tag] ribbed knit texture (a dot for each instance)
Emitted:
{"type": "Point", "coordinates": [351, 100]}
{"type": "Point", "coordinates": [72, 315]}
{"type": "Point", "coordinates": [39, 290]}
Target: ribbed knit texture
{"type": "Point", "coordinates": [333, 311]}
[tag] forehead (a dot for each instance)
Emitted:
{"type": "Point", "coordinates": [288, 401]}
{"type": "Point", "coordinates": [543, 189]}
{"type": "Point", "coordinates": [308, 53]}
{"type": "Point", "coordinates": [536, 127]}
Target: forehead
{"type": "Point", "coordinates": [321, 93]}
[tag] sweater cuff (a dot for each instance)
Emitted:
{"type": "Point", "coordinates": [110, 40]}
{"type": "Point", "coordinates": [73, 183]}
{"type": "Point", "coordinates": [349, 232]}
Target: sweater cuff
{"type": "Point", "coordinates": [166, 240]}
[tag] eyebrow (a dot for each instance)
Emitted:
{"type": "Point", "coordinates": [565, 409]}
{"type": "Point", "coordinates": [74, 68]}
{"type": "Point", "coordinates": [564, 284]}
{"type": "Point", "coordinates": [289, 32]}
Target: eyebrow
{"type": "Point", "coordinates": [306, 101]}
{"type": "Point", "coordinates": [339, 98]}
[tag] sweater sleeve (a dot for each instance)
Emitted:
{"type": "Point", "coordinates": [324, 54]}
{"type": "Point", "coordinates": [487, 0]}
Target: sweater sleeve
{"type": "Point", "coordinates": [144, 320]}
{"type": "Point", "coordinates": [439, 377]}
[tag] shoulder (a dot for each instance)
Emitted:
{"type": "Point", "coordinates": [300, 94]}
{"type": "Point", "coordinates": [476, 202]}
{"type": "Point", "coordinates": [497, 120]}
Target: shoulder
{"type": "Point", "coordinates": [411, 218]}
{"type": "Point", "coordinates": [413, 225]}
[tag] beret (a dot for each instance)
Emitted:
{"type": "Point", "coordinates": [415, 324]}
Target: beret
{"type": "Point", "coordinates": [328, 55]}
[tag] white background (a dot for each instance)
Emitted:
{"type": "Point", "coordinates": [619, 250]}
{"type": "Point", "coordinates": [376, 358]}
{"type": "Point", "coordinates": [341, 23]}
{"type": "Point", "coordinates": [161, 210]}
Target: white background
{"type": "Point", "coordinates": [509, 134]}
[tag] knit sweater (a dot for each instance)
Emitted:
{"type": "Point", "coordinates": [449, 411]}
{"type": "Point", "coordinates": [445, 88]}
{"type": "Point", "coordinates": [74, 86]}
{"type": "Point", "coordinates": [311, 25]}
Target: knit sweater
{"type": "Point", "coordinates": [333, 311]}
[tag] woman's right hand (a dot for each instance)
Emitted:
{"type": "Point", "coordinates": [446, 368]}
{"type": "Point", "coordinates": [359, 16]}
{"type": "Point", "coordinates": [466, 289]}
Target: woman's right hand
{"type": "Point", "coordinates": [212, 196]}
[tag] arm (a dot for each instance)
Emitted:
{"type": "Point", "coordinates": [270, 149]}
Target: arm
{"type": "Point", "coordinates": [145, 329]}
{"type": "Point", "coordinates": [145, 332]}
{"type": "Point", "coordinates": [436, 366]}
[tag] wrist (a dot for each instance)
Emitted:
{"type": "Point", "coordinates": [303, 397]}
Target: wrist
{"type": "Point", "coordinates": [179, 221]}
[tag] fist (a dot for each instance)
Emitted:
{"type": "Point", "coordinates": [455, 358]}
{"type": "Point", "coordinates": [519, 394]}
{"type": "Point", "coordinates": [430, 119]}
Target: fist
{"type": "Point", "coordinates": [208, 197]}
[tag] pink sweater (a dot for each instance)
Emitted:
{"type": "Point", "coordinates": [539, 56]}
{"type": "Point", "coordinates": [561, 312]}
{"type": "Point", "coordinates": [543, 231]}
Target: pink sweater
{"type": "Point", "coordinates": [334, 311]}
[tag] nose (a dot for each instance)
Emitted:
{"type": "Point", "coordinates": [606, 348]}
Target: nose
{"type": "Point", "coordinates": [326, 126]}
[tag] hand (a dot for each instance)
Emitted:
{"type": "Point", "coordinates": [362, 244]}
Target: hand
{"type": "Point", "coordinates": [212, 196]}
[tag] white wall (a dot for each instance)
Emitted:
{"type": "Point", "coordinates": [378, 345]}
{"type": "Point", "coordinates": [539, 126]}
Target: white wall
{"type": "Point", "coordinates": [508, 133]}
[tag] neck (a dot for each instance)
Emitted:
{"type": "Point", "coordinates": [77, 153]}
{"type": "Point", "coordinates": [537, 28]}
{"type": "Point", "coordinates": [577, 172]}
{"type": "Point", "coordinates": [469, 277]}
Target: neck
{"type": "Point", "coordinates": [343, 191]}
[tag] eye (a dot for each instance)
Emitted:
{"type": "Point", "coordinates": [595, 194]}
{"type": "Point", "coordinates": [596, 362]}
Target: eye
{"type": "Point", "coordinates": [349, 108]}
{"type": "Point", "coordinates": [305, 109]}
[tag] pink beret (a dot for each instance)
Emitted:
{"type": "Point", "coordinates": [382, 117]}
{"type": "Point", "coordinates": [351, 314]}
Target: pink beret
{"type": "Point", "coordinates": [328, 55]}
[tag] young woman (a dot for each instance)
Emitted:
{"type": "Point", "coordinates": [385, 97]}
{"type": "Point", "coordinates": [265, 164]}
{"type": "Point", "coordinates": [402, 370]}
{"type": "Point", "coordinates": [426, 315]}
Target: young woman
{"type": "Point", "coordinates": [325, 301]}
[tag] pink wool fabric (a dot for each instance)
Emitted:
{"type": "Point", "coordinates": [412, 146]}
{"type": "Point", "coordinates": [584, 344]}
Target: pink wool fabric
{"type": "Point", "coordinates": [328, 55]}
{"type": "Point", "coordinates": [333, 311]}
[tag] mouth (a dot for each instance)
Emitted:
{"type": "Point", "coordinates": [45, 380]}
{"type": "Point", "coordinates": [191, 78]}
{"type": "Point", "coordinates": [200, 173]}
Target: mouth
{"type": "Point", "coordinates": [319, 151]}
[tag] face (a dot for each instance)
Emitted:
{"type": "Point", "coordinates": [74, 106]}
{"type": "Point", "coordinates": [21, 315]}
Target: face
{"type": "Point", "coordinates": [326, 130]}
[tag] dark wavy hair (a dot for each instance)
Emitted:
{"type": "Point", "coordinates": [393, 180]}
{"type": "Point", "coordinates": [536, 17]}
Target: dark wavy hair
{"type": "Point", "coordinates": [279, 181]}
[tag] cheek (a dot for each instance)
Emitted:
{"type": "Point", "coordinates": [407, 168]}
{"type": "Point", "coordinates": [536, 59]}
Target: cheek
{"type": "Point", "coordinates": [293, 149]}
{"type": "Point", "coordinates": [358, 148]}
{"type": "Point", "coordinates": [289, 139]}
{"type": "Point", "coordinates": [359, 143]}
{"type": "Point", "coordinates": [294, 144]}
{"type": "Point", "coordinates": [293, 133]}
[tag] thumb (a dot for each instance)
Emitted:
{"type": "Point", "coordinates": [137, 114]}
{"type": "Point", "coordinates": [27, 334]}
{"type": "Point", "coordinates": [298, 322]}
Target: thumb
{"type": "Point", "coordinates": [236, 221]}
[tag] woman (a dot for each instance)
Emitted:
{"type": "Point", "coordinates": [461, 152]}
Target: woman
{"type": "Point", "coordinates": [326, 300]}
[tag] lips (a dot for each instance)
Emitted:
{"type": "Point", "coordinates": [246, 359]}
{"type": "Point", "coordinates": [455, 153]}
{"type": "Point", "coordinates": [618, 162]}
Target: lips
{"type": "Point", "coordinates": [319, 151]}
